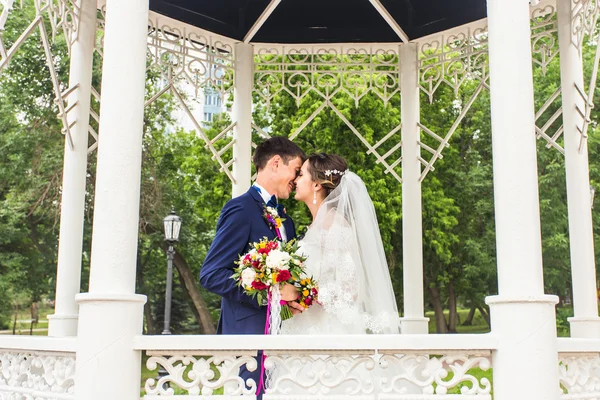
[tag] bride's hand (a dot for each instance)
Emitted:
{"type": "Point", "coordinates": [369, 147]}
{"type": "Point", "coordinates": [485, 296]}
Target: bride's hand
{"type": "Point", "coordinates": [289, 292]}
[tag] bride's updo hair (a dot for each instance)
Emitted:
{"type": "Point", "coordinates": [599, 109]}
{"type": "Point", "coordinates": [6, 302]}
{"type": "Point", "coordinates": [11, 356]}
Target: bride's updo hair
{"type": "Point", "coordinates": [327, 169]}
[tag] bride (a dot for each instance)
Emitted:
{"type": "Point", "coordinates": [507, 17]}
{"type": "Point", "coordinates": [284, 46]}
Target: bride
{"type": "Point", "coordinates": [344, 254]}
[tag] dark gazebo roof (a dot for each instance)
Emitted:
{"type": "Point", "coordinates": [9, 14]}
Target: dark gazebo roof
{"type": "Point", "coordinates": [323, 21]}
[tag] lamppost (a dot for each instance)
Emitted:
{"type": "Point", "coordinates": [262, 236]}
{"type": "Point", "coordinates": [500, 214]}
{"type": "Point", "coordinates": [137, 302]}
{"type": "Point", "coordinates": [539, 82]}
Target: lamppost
{"type": "Point", "coordinates": [172, 225]}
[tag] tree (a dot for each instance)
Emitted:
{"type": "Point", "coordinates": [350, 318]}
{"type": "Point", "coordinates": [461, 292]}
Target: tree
{"type": "Point", "coordinates": [30, 164]}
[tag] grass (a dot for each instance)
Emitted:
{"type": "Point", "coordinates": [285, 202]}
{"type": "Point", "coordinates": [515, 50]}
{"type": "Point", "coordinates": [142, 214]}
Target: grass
{"type": "Point", "coordinates": [23, 321]}
{"type": "Point", "coordinates": [478, 326]}
{"type": "Point", "coordinates": [477, 373]}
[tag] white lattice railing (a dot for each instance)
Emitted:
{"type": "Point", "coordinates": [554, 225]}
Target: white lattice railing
{"type": "Point", "coordinates": [332, 367]}
{"type": "Point", "coordinates": [579, 370]}
{"type": "Point", "coordinates": [37, 368]}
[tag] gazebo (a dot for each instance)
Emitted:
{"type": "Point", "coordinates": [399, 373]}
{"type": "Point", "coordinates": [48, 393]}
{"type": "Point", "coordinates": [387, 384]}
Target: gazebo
{"type": "Point", "coordinates": [260, 48]}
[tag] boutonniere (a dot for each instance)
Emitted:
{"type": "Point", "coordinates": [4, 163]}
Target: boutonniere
{"type": "Point", "coordinates": [273, 219]}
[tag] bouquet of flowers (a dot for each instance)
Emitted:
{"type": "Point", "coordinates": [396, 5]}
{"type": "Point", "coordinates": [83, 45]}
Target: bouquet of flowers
{"type": "Point", "coordinates": [309, 293]}
{"type": "Point", "coordinates": [269, 264]}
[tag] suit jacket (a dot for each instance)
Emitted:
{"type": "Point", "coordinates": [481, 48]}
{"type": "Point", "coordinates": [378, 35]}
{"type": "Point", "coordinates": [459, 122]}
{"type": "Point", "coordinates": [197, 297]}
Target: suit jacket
{"type": "Point", "coordinates": [241, 222]}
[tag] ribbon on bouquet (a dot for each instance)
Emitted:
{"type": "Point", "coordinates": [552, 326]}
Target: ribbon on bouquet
{"type": "Point", "coordinates": [272, 326]}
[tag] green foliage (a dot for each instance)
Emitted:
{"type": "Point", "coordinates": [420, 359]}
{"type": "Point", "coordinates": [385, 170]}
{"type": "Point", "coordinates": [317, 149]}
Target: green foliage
{"type": "Point", "coordinates": [30, 167]}
{"type": "Point", "coordinates": [562, 323]}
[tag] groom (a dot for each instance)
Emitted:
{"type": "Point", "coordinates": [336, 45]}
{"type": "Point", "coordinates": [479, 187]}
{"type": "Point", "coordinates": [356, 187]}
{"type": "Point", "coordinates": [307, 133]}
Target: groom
{"type": "Point", "coordinates": [278, 161]}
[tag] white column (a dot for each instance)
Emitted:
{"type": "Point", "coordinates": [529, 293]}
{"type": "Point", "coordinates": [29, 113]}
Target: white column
{"type": "Point", "coordinates": [523, 318]}
{"type": "Point", "coordinates": [242, 114]}
{"type": "Point", "coordinates": [68, 275]}
{"type": "Point", "coordinates": [581, 237]}
{"type": "Point", "coordinates": [111, 313]}
{"type": "Point", "coordinates": [414, 321]}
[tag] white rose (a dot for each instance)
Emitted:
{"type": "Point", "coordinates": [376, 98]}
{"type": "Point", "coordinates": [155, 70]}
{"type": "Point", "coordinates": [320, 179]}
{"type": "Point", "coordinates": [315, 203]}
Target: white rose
{"type": "Point", "coordinates": [248, 276]}
{"type": "Point", "coordinates": [278, 259]}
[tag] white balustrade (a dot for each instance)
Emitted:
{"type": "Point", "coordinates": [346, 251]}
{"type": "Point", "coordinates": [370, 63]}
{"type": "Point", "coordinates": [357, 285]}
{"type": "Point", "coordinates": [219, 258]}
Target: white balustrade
{"type": "Point", "coordinates": [579, 368]}
{"type": "Point", "coordinates": [332, 367]}
{"type": "Point", "coordinates": [37, 368]}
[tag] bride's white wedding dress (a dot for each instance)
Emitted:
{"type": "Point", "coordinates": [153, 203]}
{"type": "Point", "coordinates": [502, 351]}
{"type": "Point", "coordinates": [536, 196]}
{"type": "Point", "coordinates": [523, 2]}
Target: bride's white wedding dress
{"type": "Point", "coordinates": [345, 255]}
{"type": "Point", "coordinates": [338, 311]}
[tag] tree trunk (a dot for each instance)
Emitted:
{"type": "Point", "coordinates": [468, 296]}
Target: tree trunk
{"type": "Point", "coordinates": [441, 326]}
{"type": "Point", "coordinates": [34, 316]}
{"type": "Point", "coordinates": [193, 289]}
{"type": "Point", "coordinates": [190, 301]}
{"type": "Point", "coordinates": [141, 287]}
{"type": "Point", "coordinates": [452, 311]}
{"type": "Point", "coordinates": [16, 318]}
{"type": "Point", "coordinates": [469, 320]}
{"type": "Point", "coordinates": [150, 330]}
{"type": "Point", "coordinates": [485, 315]}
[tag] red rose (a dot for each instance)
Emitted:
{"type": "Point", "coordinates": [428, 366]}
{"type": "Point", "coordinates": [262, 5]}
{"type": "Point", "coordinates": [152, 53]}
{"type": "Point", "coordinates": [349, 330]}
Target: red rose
{"type": "Point", "coordinates": [283, 275]}
{"type": "Point", "coordinates": [308, 301]}
{"type": "Point", "coordinates": [258, 285]}
{"type": "Point", "coordinates": [315, 291]}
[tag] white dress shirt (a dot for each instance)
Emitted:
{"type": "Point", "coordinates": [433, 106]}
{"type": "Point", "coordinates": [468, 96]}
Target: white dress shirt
{"type": "Point", "coordinates": [266, 197]}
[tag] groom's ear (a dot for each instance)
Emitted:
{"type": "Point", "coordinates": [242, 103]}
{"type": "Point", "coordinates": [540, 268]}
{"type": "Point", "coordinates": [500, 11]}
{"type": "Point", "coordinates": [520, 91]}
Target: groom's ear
{"type": "Point", "coordinates": [275, 161]}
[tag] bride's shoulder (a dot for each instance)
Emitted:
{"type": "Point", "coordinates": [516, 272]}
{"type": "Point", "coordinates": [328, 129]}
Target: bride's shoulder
{"type": "Point", "coordinates": [334, 220]}
{"type": "Point", "coordinates": [336, 228]}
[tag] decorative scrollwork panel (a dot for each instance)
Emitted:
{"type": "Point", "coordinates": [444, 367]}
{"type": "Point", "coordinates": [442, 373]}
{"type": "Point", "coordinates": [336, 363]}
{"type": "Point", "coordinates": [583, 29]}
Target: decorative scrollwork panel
{"type": "Point", "coordinates": [579, 376]}
{"type": "Point", "coordinates": [544, 36]}
{"type": "Point", "coordinates": [326, 72]}
{"type": "Point", "coordinates": [179, 55]}
{"type": "Point", "coordinates": [62, 16]}
{"type": "Point", "coordinates": [417, 376]}
{"type": "Point", "coordinates": [584, 14]}
{"type": "Point", "coordinates": [453, 60]}
{"type": "Point", "coordinates": [197, 375]}
{"type": "Point", "coordinates": [331, 78]}
{"type": "Point", "coordinates": [39, 376]}
{"type": "Point", "coordinates": [331, 374]}
{"type": "Point", "coordinates": [186, 64]}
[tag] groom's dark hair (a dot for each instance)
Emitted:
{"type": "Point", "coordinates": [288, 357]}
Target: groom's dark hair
{"type": "Point", "coordinates": [277, 145]}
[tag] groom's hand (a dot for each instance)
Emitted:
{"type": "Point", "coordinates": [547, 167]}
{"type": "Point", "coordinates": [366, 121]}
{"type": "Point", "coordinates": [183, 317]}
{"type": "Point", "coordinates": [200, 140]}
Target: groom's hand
{"type": "Point", "coordinates": [295, 307]}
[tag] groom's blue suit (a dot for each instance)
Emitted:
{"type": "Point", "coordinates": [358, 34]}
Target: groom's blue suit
{"type": "Point", "coordinates": [240, 223]}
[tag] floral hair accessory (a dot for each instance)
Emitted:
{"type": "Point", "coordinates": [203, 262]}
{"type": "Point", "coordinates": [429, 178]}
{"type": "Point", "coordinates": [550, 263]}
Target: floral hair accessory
{"type": "Point", "coordinates": [330, 172]}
